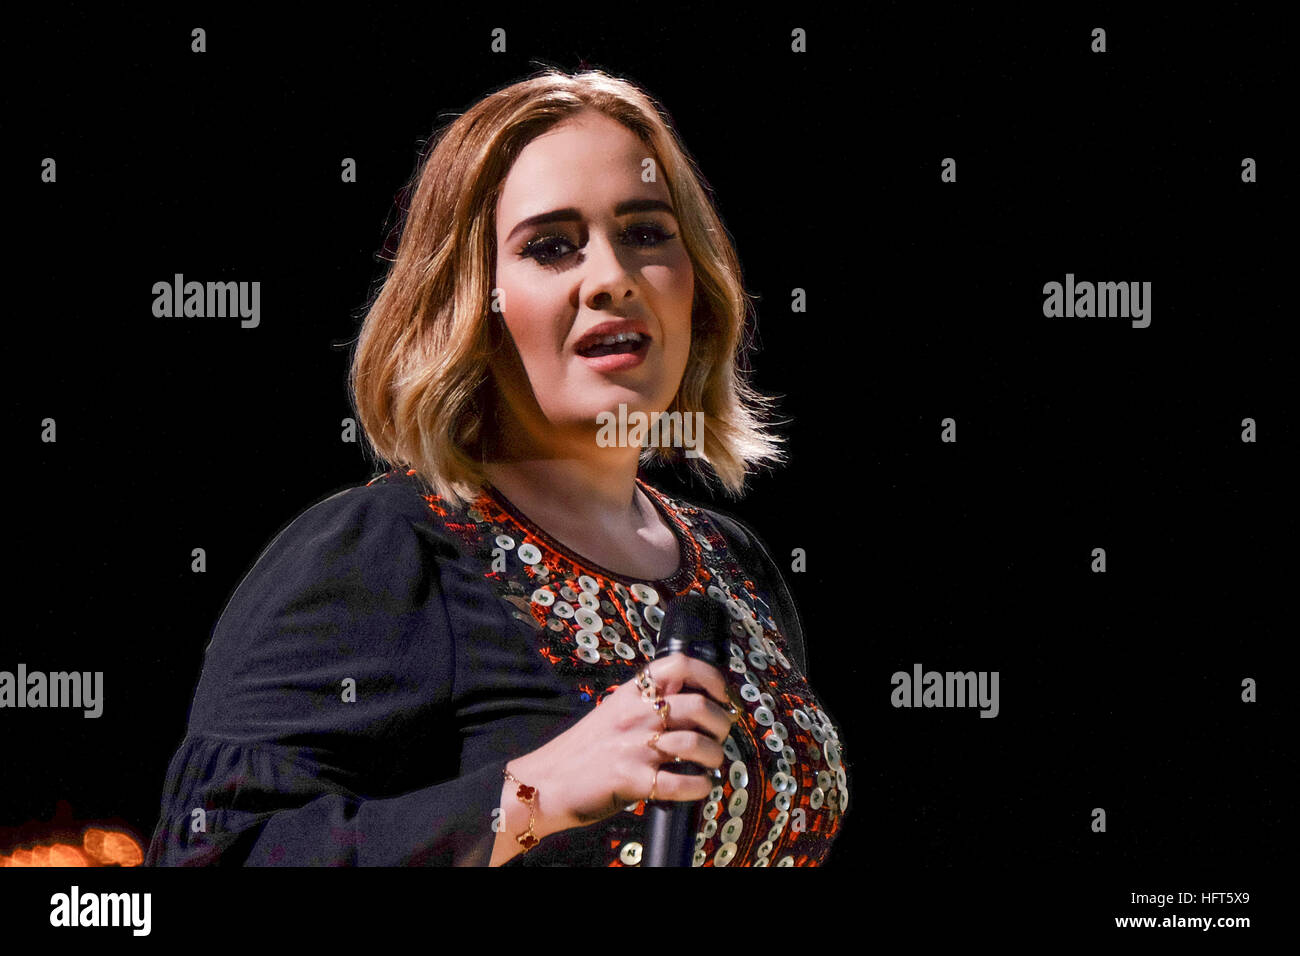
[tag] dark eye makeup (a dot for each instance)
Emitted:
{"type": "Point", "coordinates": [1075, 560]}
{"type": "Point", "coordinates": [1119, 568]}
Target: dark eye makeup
{"type": "Point", "coordinates": [543, 248]}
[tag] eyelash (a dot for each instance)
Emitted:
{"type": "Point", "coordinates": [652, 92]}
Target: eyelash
{"type": "Point", "coordinates": [529, 250]}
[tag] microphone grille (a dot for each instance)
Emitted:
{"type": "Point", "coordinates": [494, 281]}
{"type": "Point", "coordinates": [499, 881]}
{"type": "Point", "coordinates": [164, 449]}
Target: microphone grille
{"type": "Point", "coordinates": [695, 625]}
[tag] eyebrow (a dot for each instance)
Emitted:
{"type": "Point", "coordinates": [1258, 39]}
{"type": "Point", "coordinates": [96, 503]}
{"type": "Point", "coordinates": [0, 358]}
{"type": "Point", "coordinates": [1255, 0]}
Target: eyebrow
{"type": "Point", "coordinates": [572, 215]}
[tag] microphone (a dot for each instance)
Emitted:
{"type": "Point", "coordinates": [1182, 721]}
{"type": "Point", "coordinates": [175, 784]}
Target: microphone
{"type": "Point", "coordinates": [696, 626]}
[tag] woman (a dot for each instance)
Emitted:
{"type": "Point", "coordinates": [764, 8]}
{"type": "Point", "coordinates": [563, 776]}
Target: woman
{"type": "Point", "coordinates": [454, 663]}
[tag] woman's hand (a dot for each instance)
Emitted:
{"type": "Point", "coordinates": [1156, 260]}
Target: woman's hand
{"type": "Point", "coordinates": [609, 759]}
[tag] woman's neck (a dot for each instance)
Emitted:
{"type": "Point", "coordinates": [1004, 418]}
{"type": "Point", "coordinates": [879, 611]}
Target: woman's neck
{"type": "Point", "coordinates": [575, 491]}
{"type": "Point", "coordinates": [610, 523]}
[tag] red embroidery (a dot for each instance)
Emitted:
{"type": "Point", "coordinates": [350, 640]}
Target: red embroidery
{"type": "Point", "coordinates": [809, 833]}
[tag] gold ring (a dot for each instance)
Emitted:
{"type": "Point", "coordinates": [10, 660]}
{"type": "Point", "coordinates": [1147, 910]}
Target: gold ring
{"type": "Point", "coordinates": [663, 709]}
{"type": "Point", "coordinates": [652, 742]}
{"type": "Point", "coordinates": [650, 694]}
{"type": "Point", "coordinates": [653, 784]}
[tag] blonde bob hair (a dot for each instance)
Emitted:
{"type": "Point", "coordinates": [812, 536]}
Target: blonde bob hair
{"type": "Point", "coordinates": [420, 378]}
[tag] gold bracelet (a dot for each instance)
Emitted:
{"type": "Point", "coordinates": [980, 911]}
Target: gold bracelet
{"type": "Point", "coordinates": [528, 796]}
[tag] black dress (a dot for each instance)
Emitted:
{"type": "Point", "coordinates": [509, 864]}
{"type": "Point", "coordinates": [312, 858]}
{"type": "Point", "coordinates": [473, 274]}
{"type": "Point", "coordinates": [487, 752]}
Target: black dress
{"type": "Point", "coordinates": [387, 655]}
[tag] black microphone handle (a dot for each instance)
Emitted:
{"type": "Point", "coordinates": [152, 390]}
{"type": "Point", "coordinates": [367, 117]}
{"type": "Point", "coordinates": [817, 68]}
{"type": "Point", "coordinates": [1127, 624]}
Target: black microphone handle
{"type": "Point", "coordinates": [696, 626]}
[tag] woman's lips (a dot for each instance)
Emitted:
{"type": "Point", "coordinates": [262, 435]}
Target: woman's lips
{"type": "Point", "coordinates": [620, 361]}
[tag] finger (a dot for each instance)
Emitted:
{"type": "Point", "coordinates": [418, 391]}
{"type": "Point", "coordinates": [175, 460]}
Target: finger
{"type": "Point", "coordinates": [697, 711]}
{"type": "Point", "coordinates": [692, 746]}
{"type": "Point", "coordinates": [680, 787]}
{"type": "Point", "coordinates": [676, 671]}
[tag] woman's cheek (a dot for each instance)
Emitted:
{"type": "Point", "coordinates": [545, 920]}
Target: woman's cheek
{"type": "Point", "coordinates": [546, 356]}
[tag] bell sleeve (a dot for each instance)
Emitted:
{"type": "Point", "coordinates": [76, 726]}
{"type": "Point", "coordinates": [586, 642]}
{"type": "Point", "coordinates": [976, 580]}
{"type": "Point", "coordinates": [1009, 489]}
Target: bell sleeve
{"type": "Point", "coordinates": [321, 732]}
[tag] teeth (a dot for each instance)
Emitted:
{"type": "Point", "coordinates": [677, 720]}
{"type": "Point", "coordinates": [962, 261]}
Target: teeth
{"type": "Point", "coordinates": [615, 339]}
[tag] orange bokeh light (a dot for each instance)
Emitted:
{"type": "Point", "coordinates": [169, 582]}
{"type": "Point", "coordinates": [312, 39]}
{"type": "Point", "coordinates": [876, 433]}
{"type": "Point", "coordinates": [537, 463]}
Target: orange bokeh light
{"type": "Point", "coordinates": [99, 847]}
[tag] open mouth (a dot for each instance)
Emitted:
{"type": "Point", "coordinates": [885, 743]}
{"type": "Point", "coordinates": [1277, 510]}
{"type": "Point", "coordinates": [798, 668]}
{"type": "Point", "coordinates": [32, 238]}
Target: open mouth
{"type": "Point", "coordinates": [624, 343]}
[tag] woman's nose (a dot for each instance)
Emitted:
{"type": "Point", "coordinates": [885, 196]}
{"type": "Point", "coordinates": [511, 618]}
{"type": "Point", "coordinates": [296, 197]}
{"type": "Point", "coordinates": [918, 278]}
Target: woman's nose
{"type": "Point", "coordinates": [607, 272]}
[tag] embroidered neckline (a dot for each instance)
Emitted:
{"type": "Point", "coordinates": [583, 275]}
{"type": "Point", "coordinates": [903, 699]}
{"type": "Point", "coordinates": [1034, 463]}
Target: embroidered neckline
{"type": "Point", "coordinates": [687, 548]}
{"type": "Point", "coordinates": [793, 751]}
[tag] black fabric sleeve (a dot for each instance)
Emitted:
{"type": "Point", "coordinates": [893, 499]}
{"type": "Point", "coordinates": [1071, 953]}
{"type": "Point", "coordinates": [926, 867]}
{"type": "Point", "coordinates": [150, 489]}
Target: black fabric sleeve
{"type": "Point", "coordinates": [321, 732]}
{"type": "Point", "coordinates": [755, 557]}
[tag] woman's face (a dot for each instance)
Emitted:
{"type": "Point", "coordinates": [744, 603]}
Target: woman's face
{"type": "Point", "coordinates": [609, 251]}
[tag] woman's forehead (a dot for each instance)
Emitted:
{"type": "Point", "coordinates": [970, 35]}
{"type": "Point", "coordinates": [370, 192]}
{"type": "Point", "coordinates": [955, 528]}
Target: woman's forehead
{"type": "Point", "coordinates": [576, 163]}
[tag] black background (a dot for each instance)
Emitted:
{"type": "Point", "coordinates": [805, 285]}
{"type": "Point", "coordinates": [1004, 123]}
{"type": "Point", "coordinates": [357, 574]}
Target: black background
{"type": "Point", "coordinates": [1119, 690]}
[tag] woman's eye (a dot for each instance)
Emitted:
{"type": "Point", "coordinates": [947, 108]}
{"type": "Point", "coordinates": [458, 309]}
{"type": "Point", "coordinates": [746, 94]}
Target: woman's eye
{"type": "Point", "coordinates": [547, 250]}
{"type": "Point", "coordinates": [656, 233]}
{"type": "Point", "coordinates": [543, 249]}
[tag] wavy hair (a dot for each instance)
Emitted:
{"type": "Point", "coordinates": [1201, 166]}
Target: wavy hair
{"type": "Point", "coordinates": [420, 379]}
